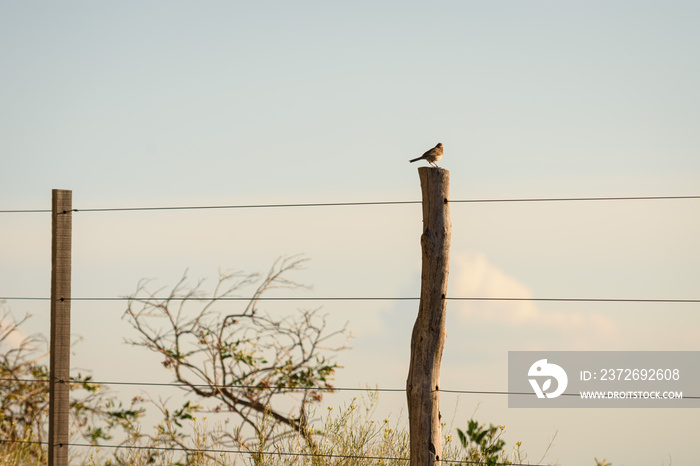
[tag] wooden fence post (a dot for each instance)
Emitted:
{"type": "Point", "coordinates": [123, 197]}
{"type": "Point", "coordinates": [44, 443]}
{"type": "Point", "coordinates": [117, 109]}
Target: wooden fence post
{"type": "Point", "coordinates": [429, 331]}
{"type": "Point", "coordinates": [59, 363]}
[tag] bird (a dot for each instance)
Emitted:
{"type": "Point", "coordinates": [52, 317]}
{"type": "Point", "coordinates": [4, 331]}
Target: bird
{"type": "Point", "coordinates": [432, 156]}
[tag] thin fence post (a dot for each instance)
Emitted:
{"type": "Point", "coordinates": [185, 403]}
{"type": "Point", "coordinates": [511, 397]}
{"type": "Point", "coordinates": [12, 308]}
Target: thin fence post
{"type": "Point", "coordinates": [429, 331]}
{"type": "Point", "coordinates": [59, 364]}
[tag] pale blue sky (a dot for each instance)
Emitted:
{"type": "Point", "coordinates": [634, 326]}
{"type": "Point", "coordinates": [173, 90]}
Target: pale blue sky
{"type": "Point", "coordinates": [181, 103]}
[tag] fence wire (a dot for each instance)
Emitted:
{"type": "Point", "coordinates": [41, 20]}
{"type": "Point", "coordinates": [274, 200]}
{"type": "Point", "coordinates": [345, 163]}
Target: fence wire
{"type": "Point", "coordinates": [263, 453]}
{"type": "Point", "coordinates": [359, 203]}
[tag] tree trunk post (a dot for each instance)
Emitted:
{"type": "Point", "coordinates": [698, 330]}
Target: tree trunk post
{"type": "Point", "coordinates": [429, 331]}
{"type": "Point", "coordinates": [59, 359]}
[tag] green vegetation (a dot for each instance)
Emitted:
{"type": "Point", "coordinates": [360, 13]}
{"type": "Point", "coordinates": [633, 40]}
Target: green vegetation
{"type": "Point", "coordinates": [265, 375]}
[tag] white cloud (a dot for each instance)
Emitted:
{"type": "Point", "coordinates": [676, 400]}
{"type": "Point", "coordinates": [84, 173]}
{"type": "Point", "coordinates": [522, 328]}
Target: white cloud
{"type": "Point", "coordinates": [472, 275]}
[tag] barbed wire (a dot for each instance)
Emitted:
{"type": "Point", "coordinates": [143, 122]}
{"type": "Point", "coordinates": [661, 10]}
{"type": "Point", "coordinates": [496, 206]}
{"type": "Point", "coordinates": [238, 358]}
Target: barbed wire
{"type": "Point", "coordinates": [279, 453]}
{"type": "Point", "coordinates": [347, 298]}
{"type": "Point", "coordinates": [355, 298]}
{"type": "Point", "coordinates": [265, 453]}
{"type": "Point", "coordinates": [212, 385]}
{"type": "Point", "coordinates": [358, 203]}
{"type": "Point", "coordinates": [290, 388]}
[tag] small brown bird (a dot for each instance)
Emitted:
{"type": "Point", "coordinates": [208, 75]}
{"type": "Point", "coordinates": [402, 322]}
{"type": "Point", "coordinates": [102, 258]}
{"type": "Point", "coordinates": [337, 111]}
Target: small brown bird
{"type": "Point", "coordinates": [432, 156]}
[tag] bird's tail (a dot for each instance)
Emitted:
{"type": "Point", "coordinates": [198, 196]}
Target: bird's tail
{"type": "Point", "coordinates": [416, 159]}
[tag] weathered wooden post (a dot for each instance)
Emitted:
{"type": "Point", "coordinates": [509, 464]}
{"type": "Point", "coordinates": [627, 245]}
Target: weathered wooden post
{"type": "Point", "coordinates": [59, 359]}
{"type": "Point", "coordinates": [429, 331]}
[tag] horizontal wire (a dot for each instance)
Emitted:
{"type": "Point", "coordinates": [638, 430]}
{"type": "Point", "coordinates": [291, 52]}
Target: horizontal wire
{"type": "Point", "coordinates": [27, 442]}
{"type": "Point", "coordinates": [498, 392]}
{"type": "Point", "coordinates": [359, 203]}
{"type": "Point", "coordinates": [25, 211]}
{"type": "Point", "coordinates": [287, 453]}
{"type": "Point", "coordinates": [180, 385]}
{"type": "Point", "coordinates": [243, 206]}
{"type": "Point", "coordinates": [209, 298]}
{"type": "Point", "coordinates": [243, 452]}
{"type": "Point", "coordinates": [577, 199]}
{"type": "Point", "coordinates": [214, 207]}
{"type": "Point", "coordinates": [22, 298]}
{"type": "Point", "coordinates": [356, 298]}
{"type": "Point", "coordinates": [580, 300]}
{"type": "Point", "coordinates": [198, 385]}
{"type": "Point", "coordinates": [282, 387]}
{"type": "Point", "coordinates": [248, 452]}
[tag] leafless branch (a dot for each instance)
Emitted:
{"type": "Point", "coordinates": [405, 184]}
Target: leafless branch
{"type": "Point", "coordinates": [250, 363]}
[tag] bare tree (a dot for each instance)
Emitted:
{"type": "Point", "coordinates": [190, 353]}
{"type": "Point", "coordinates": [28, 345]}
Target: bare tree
{"type": "Point", "coordinates": [246, 361]}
